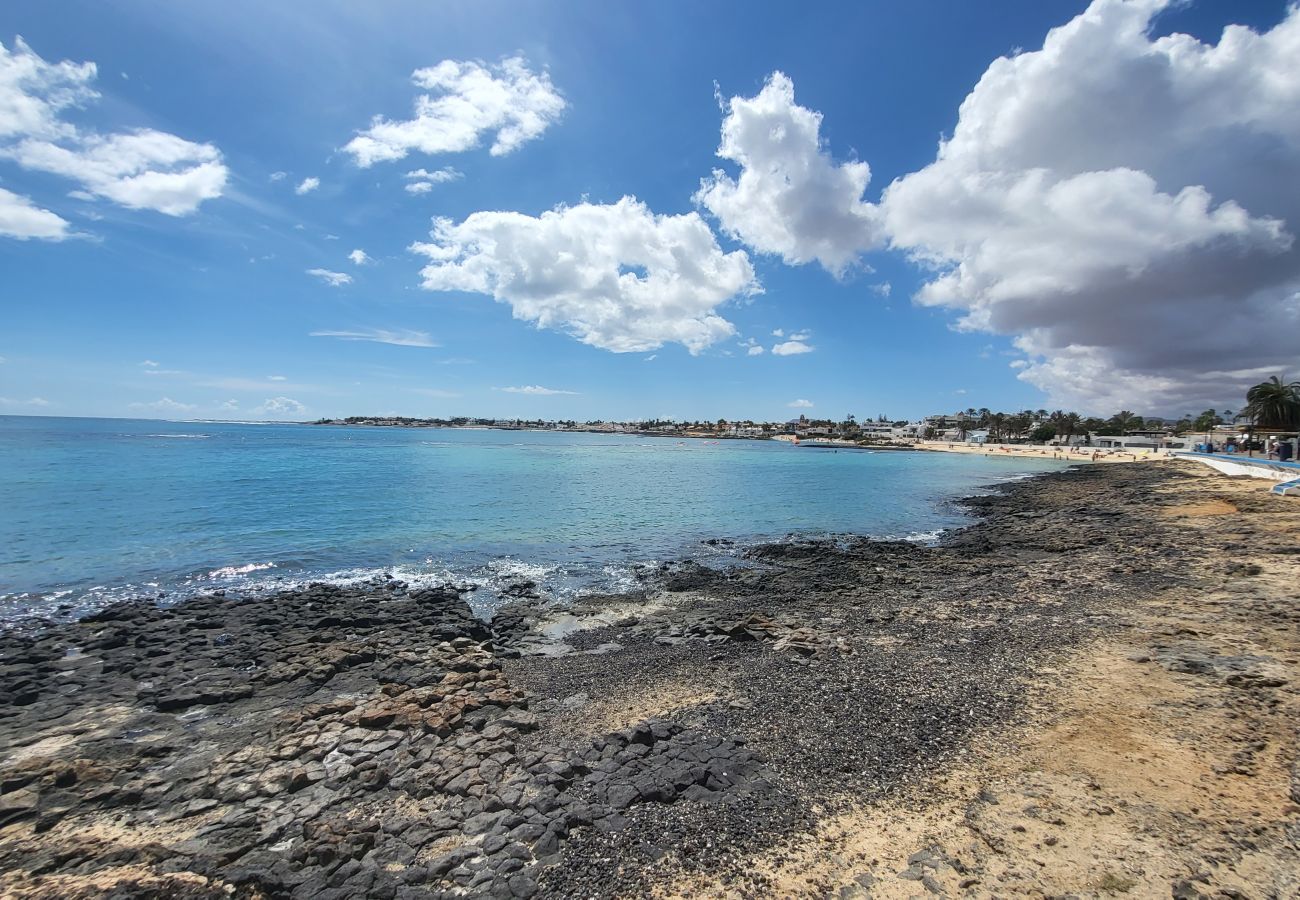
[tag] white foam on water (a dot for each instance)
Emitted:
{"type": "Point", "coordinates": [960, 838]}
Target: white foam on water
{"type": "Point", "coordinates": [191, 436]}
{"type": "Point", "coordinates": [233, 571]}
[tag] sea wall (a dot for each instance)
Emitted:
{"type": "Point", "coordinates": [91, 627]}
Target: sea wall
{"type": "Point", "coordinates": [1250, 467]}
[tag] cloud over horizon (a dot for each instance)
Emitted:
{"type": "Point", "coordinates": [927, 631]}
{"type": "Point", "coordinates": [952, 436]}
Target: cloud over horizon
{"type": "Point", "coordinates": [1094, 201]}
{"type": "Point", "coordinates": [1110, 201]}
{"type": "Point", "coordinates": [615, 276]}
{"type": "Point", "coordinates": [536, 390]}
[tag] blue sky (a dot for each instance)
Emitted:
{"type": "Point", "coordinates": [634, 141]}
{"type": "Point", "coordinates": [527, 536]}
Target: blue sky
{"type": "Point", "coordinates": [200, 300]}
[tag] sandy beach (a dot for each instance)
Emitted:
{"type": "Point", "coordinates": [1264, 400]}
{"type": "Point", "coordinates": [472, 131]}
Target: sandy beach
{"type": "Point", "coordinates": [1091, 692]}
{"type": "Point", "coordinates": [1071, 454]}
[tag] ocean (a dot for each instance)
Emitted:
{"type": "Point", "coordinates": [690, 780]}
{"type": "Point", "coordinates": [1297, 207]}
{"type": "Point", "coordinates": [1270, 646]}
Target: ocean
{"type": "Point", "coordinates": [93, 511]}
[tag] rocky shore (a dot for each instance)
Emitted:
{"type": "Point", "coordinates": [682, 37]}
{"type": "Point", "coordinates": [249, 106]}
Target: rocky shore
{"type": "Point", "coordinates": [1091, 692]}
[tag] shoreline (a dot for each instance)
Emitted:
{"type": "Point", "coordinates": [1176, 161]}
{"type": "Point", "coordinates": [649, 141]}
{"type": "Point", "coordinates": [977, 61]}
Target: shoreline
{"type": "Point", "coordinates": [703, 736]}
{"type": "Point", "coordinates": [65, 605]}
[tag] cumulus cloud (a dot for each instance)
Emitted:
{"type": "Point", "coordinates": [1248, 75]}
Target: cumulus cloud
{"type": "Point", "coordinates": [400, 338]}
{"type": "Point", "coordinates": [307, 185]}
{"type": "Point", "coordinates": [333, 279]}
{"type": "Point", "coordinates": [359, 257]}
{"type": "Point", "coordinates": [22, 219]}
{"type": "Point", "coordinates": [33, 402]}
{"type": "Point", "coordinates": [791, 198]}
{"type": "Point", "coordinates": [1113, 201]}
{"type": "Point", "coordinates": [278, 176]}
{"type": "Point", "coordinates": [280, 406]}
{"type": "Point", "coordinates": [536, 390]}
{"type": "Point", "coordinates": [166, 405]}
{"type": "Point", "coordinates": [466, 101]}
{"type": "Point", "coordinates": [791, 348]}
{"type": "Point", "coordinates": [752, 347]}
{"type": "Point", "coordinates": [615, 276]}
{"type": "Point", "coordinates": [141, 169]}
{"type": "Point", "coordinates": [800, 404]}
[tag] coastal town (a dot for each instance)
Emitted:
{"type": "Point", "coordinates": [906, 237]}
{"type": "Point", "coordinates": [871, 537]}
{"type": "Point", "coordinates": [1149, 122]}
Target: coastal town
{"type": "Point", "coordinates": [973, 428]}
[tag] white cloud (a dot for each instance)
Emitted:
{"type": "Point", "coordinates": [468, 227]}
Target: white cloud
{"type": "Point", "coordinates": [22, 219]}
{"type": "Point", "coordinates": [166, 405]}
{"type": "Point", "coordinates": [424, 180]}
{"type": "Point", "coordinates": [400, 338]}
{"type": "Point", "coordinates": [535, 389]}
{"type": "Point", "coordinates": [614, 276]}
{"type": "Point", "coordinates": [34, 93]}
{"type": "Point", "coordinates": [280, 406]}
{"type": "Point", "coordinates": [778, 332]}
{"type": "Point", "coordinates": [884, 289]}
{"type": "Point", "coordinates": [276, 378]}
{"type": "Point", "coordinates": [755, 350]}
{"type": "Point", "coordinates": [801, 335]}
{"type": "Point", "coordinates": [307, 185]}
{"type": "Point", "coordinates": [279, 176]}
{"type": "Point", "coordinates": [36, 402]}
{"type": "Point", "coordinates": [437, 176]}
{"type": "Point", "coordinates": [466, 101]}
{"type": "Point", "coordinates": [800, 404]}
{"type": "Point", "coordinates": [145, 169]}
{"type": "Point", "coordinates": [359, 257]}
{"type": "Point", "coordinates": [1113, 201]}
{"type": "Point", "coordinates": [333, 279]}
{"type": "Point", "coordinates": [791, 348]}
{"type": "Point", "coordinates": [791, 198]}
{"type": "Point", "coordinates": [229, 406]}
{"type": "Point", "coordinates": [141, 169]}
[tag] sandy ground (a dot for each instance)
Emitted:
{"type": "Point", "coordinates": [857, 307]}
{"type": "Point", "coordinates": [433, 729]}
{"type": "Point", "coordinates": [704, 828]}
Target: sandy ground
{"type": "Point", "coordinates": [1160, 762]}
{"type": "Point", "coordinates": [1072, 454]}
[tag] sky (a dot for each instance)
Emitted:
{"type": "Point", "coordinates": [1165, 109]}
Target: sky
{"type": "Point", "coordinates": [254, 210]}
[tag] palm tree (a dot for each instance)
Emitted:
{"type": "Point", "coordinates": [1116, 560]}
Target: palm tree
{"type": "Point", "coordinates": [1125, 420]}
{"type": "Point", "coordinates": [1273, 404]}
{"type": "Point", "coordinates": [996, 424]}
{"type": "Point", "coordinates": [1069, 424]}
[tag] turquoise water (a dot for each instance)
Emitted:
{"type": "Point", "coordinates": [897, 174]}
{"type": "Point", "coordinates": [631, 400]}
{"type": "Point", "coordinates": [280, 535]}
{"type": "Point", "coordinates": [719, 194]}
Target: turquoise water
{"type": "Point", "coordinates": [95, 510]}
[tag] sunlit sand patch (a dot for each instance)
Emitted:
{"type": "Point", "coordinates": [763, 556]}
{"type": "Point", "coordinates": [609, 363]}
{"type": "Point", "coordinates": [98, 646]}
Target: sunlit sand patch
{"type": "Point", "coordinates": [134, 879]}
{"type": "Point", "coordinates": [1200, 509]}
